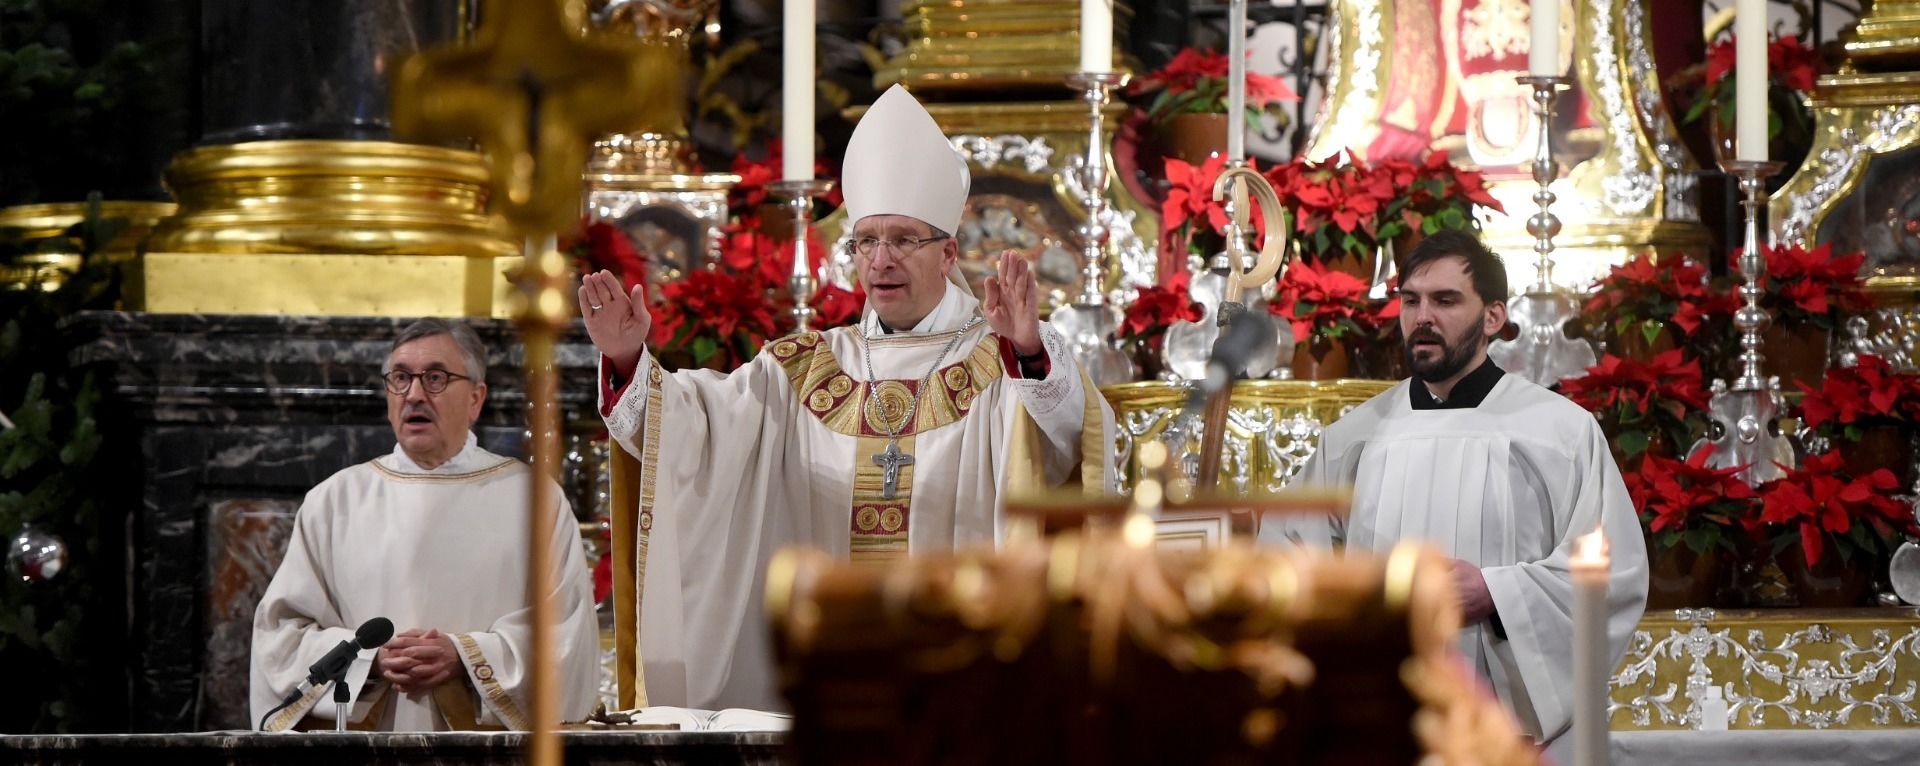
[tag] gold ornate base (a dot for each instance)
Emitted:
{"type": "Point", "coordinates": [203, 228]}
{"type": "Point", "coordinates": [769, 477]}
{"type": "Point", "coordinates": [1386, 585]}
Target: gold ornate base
{"type": "Point", "coordinates": [49, 270]}
{"type": "Point", "coordinates": [981, 45]}
{"type": "Point", "coordinates": [344, 228]}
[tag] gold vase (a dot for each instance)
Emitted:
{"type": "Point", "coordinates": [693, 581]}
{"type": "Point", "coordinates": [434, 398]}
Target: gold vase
{"type": "Point", "coordinates": [343, 228]}
{"type": "Point", "coordinates": [50, 269]}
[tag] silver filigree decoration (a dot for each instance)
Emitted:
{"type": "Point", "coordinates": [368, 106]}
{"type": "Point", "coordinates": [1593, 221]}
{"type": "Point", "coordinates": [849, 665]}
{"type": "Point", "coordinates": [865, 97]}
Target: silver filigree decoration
{"type": "Point", "coordinates": [1858, 680]}
{"type": "Point", "coordinates": [1630, 190]}
{"type": "Point", "coordinates": [1261, 445]}
{"type": "Point", "coordinates": [1680, 184]}
{"type": "Point", "coordinates": [1897, 341]}
{"type": "Point", "coordinates": [1836, 163]}
{"type": "Point", "coordinates": [1033, 154]}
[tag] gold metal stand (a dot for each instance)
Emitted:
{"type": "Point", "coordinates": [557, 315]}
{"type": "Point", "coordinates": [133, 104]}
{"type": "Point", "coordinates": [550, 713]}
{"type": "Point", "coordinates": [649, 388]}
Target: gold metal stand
{"type": "Point", "coordinates": [49, 270]}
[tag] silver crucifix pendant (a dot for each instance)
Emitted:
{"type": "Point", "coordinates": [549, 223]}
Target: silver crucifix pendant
{"type": "Point", "coordinates": [890, 462]}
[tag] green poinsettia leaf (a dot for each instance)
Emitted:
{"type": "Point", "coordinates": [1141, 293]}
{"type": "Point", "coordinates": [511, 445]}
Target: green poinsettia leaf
{"type": "Point", "coordinates": [1632, 442]}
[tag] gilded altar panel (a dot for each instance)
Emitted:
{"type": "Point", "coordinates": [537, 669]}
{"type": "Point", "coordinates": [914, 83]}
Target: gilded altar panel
{"type": "Point", "coordinates": [1273, 426]}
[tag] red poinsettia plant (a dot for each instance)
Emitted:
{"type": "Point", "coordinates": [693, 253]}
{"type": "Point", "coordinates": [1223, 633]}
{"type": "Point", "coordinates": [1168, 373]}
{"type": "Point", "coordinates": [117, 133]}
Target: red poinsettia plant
{"type": "Point", "coordinates": [713, 318]}
{"type": "Point", "coordinates": [1651, 292]}
{"type": "Point", "coordinates": [1814, 286]}
{"type": "Point", "coordinates": [1338, 205]}
{"type": "Point", "coordinates": [1435, 195]}
{"type": "Point", "coordinates": [1686, 502]}
{"type": "Point", "coordinates": [1195, 82]}
{"type": "Point", "coordinates": [1156, 308]}
{"type": "Point", "coordinates": [1819, 506]}
{"type": "Point", "coordinates": [1324, 306]}
{"type": "Point", "coordinates": [746, 197]}
{"type": "Point", "coordinates": [1190, 220]}
{"type": "Point", "coordinates": [1639, 402]}
{"type": "Point", "coordinates": [1869, 393]}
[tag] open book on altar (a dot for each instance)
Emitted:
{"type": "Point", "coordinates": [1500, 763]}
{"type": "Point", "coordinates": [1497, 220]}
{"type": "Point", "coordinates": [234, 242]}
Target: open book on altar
{"type": "Point", "coordinates": [690, 719]}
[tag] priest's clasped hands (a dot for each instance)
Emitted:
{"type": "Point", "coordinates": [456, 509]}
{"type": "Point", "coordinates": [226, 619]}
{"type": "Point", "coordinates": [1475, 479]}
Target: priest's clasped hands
{"type": "Point", "coordinates": [417, 660]}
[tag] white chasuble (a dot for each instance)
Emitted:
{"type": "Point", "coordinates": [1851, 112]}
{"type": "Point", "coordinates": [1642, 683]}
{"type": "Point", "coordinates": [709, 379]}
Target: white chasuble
{"type": "Point", "coordinates": [443, 549]}
{"type": "Point", "coordinates": [790, 449]}
{"type": "Point", "coordinates": [1506, 486]}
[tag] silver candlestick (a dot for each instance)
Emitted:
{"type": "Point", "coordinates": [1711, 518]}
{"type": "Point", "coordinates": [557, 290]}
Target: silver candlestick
{"type": "Point", "coordinates": [1543, 353]}
{"type": "Point", "coordinates": [1091, 322]}
{"type": "Point", "coordinates": [801, 282]}
{"type": "Point", "coordinates": [1743, 428]}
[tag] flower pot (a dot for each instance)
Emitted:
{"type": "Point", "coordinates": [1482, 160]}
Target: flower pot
{"type": "Point", "coordinates": [774, 221]}
{"type": "Point", "coordinates": [1383, 358]}
{"type": "Point", "coordinates": [1403, 245]}
{"type": "Point", "coordinates": [1194, 137]}
{"type": "Point", "coordinates": [1149, 357]}
{"type": "Point", "coordinates": [1320, 360]}
{"type": "Point", "coordinates": [1678, 578]}
{"type": "Point", "coordinates": [1881, 445]}
{"type": "Point", "coordinates": [1359, 266]}
{"type": "Point", "coordinates": [1795, 353]}
{"type": "Point", "coordinates": [1832, 583]}
{"type": "Point", "coordinates": [1633, 344]}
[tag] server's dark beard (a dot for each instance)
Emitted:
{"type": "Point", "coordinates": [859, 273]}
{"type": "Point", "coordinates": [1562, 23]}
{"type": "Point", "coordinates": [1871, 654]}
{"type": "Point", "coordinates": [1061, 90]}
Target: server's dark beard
{"type": "Point", "coordinates": [1455, 353]}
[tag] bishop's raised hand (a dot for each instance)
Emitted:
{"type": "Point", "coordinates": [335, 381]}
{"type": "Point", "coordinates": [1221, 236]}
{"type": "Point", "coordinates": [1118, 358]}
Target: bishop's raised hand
{"type": "Point", "coordinates": [1012, 303]}
{"type": "Point", "coordinates": [617, 319]}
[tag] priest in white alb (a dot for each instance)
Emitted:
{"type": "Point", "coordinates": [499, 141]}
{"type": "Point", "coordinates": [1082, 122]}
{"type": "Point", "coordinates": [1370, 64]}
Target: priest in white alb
{"type": "Point", "coordinates": [1492, 470]}
{"type": "Point", "coordinates": [434, 538]}
{"type": "Point", "coordinates": [903, 434]}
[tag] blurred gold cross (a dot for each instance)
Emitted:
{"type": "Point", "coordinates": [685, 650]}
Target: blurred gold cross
{"type": "Point", "coordinates": [536, 91]}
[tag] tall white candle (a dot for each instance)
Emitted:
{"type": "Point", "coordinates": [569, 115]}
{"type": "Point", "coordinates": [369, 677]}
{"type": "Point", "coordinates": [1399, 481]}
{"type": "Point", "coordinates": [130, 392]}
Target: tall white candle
{"type": "Point", "coordinates": [1096, 35]}
{"type": "Point", "coordinates": [1237, 80]}
{"type": "Point", "coordinates": [1543, 47]}
{"type": "Point", "coordinates": [796, 91]}
{"type": "Point", "coordinates": [1590, 671]}
{"type": "Point", "coordinates": [1750, 79]}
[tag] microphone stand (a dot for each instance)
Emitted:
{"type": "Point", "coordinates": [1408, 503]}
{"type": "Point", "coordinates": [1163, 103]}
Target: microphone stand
{"type": "Point", "coordinates": [342, 702]}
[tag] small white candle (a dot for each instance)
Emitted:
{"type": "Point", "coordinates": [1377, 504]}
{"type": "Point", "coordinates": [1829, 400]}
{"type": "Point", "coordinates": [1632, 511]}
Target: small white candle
{"type": "Point", "coordinates": [1543, 47]}
{"type": "Point", "coordinates": [1096, 35]}
{"type": "Point", "coordinates": [796, 91]}
{"type": "Point", "coordinates": [1750, 79]}
{"type": "Point", "coordinates": [1590, 671]}
{"type": "Point", "coordinates": [1237, 80]}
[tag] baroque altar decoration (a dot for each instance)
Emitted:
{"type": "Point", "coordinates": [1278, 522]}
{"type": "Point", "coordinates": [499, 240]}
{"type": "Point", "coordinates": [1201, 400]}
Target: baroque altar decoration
{"type": "Point", "coordinates": [1830, 530]}
{"type": "Point", "coordinates": [1188, 112]}
{"type": "Point", "coordinates": [1691, 513]}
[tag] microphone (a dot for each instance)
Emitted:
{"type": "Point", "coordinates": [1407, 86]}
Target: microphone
{"type": "Point", "coordinates": [1247, 334]}
{"type": "Point", "coordinates": [333, 667]}
{"type": "Point", "coordinates": [371, 634]}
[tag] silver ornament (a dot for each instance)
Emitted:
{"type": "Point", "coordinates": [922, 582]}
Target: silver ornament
{"type": "Point", "coordinates": [35, 556]}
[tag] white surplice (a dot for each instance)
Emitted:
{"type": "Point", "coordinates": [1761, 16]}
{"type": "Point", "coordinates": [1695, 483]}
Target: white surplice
{"type": "Point", "coordinates": [441, 549]}
{"type": "Point", "coordinates": [780, 452]}
{"type": "Point", "coordinates": [1506, 486]}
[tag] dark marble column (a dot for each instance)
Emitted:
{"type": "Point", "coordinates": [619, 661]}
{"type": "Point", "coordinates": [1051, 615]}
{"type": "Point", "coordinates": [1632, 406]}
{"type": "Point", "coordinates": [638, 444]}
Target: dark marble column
{"type": "Point", "coordinates": [232, 419]}
{"type": "Point", "coordinates": [309, 68]}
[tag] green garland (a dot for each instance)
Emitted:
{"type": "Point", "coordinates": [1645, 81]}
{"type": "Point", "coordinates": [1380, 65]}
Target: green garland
{"type": "Point", "coordinates": [60, 639]}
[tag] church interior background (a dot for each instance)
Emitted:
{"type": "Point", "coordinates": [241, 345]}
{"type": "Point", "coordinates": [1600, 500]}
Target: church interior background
{"type": "Point", "coordinates": [211, 230]}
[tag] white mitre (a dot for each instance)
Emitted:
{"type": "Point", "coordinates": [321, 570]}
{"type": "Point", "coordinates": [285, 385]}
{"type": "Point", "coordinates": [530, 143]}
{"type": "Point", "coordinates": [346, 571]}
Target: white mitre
{"type": "Point", "coordinates": [899, 162]}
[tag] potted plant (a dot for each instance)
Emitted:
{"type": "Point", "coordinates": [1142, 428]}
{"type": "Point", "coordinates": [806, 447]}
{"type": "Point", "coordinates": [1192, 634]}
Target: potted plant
{"type": "Point", "coordinates": [1329, 314]}
{"type": "Point", "coordinates": [1643, 406]}
{"type": "Point", "coordinates": [1831, 531]}
{"type": "Point", "coordinates": [599, 245]}
{"type": "Point", "coordinates": [1809, 294]}
{"type": "Point", "coordinates": [1792, 68]}
{"type": "Point", "coordinates": [1652, 304]}
{"type": "Point", "coordinates": [1189, 106]}
{"type": "Point", "coordinates": [1191, 221]}
{"type": "Point", "coordinates": [1867, 412]}
{"type": "Point", "coordinates": [1689, 512]}
{"type": "Point", "coordinates": [1143, 327]}
{"type": "Point", "coordinates": [1434, 196]}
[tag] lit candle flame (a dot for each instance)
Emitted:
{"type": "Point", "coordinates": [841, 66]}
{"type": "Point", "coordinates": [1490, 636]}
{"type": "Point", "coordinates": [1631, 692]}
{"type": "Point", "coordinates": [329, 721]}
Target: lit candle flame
{"type": "Point", "coordinates": [1590, 548]}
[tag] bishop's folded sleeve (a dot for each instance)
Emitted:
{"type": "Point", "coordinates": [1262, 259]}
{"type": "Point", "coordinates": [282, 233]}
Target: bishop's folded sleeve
{"type": "Point", "coordinates": [1535, 598]}
{"type": "Point", "coordinates": [1058, 405]}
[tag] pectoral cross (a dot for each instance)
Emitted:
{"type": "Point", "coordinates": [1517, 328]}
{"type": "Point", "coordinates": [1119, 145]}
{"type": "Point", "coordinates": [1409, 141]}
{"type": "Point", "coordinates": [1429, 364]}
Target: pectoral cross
{"type": "Point", "coordinates": [890, 462]}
